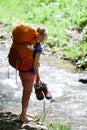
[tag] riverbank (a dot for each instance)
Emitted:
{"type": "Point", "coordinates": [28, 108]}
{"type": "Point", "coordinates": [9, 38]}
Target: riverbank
{"type": "Point", "coordinates": [10, 121]}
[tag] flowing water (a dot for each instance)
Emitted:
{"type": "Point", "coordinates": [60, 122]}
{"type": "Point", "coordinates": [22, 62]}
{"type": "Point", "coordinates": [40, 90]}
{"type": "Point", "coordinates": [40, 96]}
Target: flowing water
{"type": "Point", "coordinates": [69, 103]}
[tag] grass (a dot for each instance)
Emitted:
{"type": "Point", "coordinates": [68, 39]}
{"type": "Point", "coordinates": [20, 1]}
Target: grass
{"type": "Point", "coordinates": [72, 51]}
{"type": "Point", "coordinates": [56, 126]}
{"type": "Point", "coordinates": [5, 126]}
{"type": "Point", "coordinates": [59, 16]}
{"type": "Point", "coordinates": [51, 13]}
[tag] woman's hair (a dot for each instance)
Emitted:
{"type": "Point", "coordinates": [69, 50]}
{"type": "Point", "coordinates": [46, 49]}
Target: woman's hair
{"type": "Point", "coordinates": [42, 30]}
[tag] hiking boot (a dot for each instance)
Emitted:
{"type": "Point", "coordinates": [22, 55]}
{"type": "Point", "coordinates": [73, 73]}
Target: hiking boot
{"type": "Point", "coordinates": [46, 91]}
{"type": "Point", "coordinates": [38, 92]}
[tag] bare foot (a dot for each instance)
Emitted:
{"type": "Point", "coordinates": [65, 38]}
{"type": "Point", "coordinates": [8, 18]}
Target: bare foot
{"type": "Point", "coordinates": [26, 118]}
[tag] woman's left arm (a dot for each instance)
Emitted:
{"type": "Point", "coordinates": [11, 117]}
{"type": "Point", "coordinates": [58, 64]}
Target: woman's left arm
{"type": "Point", "coordinates": [36, 67]}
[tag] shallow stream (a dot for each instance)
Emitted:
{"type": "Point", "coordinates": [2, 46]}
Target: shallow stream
{"type": "Point", "coordinates": [69, 103]}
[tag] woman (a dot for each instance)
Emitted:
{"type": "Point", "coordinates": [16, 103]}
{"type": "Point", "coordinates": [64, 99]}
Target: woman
{"type": "Point", "coordinates": [28, 77]}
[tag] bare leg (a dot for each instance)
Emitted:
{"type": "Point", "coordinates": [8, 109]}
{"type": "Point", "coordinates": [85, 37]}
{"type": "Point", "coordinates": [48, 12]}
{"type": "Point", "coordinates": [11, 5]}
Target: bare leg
{"type": "Point", "coordinates": [25, 102]}
{"type": "Point", "coordinates": [27, 79]}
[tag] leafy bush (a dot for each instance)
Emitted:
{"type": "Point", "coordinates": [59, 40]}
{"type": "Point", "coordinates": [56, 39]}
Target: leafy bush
{"type": "Point", "coordinates": [71, 51]}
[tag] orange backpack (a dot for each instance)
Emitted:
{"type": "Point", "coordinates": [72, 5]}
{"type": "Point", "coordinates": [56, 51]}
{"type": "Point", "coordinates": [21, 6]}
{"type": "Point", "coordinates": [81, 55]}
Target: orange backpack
{"type": "Point", "coordinates": [21, 52]}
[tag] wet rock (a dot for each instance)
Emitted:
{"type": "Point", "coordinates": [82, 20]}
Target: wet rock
{"type": "Point", "coordinates": [1, 37]}
{"type": "Point", "coordinates": [10, 121]}
{"type": "Point", "coordinates": [83, 81]}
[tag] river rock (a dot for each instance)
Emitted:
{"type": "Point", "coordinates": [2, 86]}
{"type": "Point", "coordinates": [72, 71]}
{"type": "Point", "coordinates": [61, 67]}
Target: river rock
{"type": "Point", "coordinates": [10, 121]}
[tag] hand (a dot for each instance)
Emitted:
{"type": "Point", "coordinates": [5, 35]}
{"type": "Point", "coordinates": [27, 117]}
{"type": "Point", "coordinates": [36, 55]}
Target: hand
{"type": "Point", "coordinates": [39, 83]}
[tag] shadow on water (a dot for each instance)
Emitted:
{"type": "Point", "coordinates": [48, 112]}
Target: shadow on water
{"type": "Point", "coordinates": [69, 104]}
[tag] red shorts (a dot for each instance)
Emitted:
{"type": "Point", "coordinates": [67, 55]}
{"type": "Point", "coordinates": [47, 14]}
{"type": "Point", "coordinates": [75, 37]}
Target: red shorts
{"type": "Point", "coordinates": [27, 79]}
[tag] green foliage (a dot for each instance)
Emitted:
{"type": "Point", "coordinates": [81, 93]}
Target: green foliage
{"type": "Point", "coordinates": [59, 16]}
{"type": "Point", "coordinates": [84, 48]}
{"type": "Point", "coordinates": [82, 62]}
{"type": "Point", "coordinates": [71, 51]}
{"type": "Point", "coordinates": [52, 13]}
{"type": "Point", "coordinates": [82, 23]}
{"type": "Point", "coordinates": [51, 41]}
{"type": "Point", "coordinates": [5, 125]}
{"type": "Point", "coordinates": [57, 126]}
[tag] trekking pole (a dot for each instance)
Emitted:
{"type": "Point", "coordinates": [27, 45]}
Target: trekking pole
{"type": "Point", "coordinates": [7, 70]}
{"type": "Point", "coordinates": [44, 111]}
{"type": "Point", "coordinates": [16, 76]}
{"type": "Point", "coordinates": [8, 73]}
